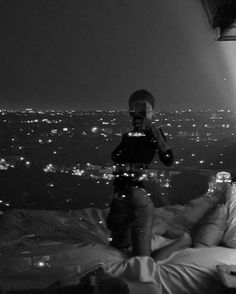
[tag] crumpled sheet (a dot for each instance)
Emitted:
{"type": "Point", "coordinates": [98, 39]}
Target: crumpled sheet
{"type": "Point", "coordinates": [35, 226]}
{"type": "Point", "coordinates": [77, 242]}
{"type": "Point", "coordinates": [191, 271]}
{"type": "Point", "coordinates": [90, 224]}
{"type": "Point", "coordinates": [67, 263]}
{"type": "Point", "coordinates": [194, 270]}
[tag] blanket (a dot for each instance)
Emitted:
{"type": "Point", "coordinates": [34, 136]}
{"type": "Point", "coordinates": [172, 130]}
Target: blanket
{"type": "Point", "coordinates": [41, 248]}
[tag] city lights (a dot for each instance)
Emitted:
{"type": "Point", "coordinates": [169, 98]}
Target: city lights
{"type": "Point", "coordinates": [94, 130]}
{"type": "Point", "coordinates": [77, 145]}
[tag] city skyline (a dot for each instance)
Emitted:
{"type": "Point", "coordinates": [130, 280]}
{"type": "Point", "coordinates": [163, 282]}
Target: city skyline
{"type": "Point", "coordinates": [54, 158]}
{"type": "Point", "coordinates": [124, 110]}
{"type": "Point", "coordinates": [50, 134]}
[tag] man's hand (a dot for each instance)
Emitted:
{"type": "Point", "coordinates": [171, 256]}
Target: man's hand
{"type": "Point", "coordinates": [154, 130]}
{"type": "Point", "coordinates": [147, 123]}
{"type": "Point", "coordinates": [161, 142]}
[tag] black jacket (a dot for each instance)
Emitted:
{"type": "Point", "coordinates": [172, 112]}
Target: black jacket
{"type": "Point", "coordinates": [140, 148]}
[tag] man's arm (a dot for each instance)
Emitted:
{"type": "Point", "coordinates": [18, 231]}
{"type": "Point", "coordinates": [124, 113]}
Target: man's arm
{"type": "Point", "coordinates": [163, 148]}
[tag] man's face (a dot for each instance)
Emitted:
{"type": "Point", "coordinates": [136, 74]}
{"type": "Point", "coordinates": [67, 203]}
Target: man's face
{"type": "Point", "coordinates": [141, 109]}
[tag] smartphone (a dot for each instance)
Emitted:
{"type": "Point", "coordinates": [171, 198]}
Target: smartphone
{"type": "Point", "coordinates": [139, 110]}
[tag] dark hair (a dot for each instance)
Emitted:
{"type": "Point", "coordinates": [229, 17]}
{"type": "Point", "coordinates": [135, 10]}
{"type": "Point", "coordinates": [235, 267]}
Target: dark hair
{"type": "Point", "coordinates": [141, 95]}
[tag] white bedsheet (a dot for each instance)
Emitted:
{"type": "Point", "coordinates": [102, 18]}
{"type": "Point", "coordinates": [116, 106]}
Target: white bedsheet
{"type": "Point", "coordinates": [194, 270]}
{"type": "Point", "coordinates": [191, 270]}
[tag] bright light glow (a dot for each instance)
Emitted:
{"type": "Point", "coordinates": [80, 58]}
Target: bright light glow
{"type": "Point", "coordinates": [78, 172]}
{"type": "Point", "coordinates": [136, 134]}
{"type": "Point", "coordinates": [49, 168]}
{"type": "Point", "coordinates": [94, 130]}
{"type": "Point", "coordinates": [41, 264]}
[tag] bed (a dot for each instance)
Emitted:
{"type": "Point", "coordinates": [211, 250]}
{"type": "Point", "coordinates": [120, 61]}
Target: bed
{"type": "Point", "coordinates": [39, 249]}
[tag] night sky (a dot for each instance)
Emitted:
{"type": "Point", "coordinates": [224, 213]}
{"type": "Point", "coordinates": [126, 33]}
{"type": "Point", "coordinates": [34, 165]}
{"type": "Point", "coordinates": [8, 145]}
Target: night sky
{"type": "Point", "coordinates": [85, 55]}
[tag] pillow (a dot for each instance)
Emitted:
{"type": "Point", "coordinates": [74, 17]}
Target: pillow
{"type": "Point", "coordinates": [229, 238]}
{"type": "Point", "coordinates": [210, 229]}
{"type": "Point", "coordinates": [181, 217]}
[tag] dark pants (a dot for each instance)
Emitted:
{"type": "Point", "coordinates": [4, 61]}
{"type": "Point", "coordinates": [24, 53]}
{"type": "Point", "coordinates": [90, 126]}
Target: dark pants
{"type": "Point", "coordinates": [130, 220]}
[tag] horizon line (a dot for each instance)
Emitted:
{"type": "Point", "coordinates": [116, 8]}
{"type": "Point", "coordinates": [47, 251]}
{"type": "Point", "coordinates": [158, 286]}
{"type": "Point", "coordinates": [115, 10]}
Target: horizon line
{"type": "Point", "coordinates": [35, 110]}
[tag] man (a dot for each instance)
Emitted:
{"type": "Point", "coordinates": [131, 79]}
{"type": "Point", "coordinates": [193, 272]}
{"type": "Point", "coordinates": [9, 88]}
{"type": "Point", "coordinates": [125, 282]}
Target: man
{"type": "Point", "coordinates": [132, 211]}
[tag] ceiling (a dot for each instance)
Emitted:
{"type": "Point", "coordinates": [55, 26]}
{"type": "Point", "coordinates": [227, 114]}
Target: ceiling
{"type": "Point", "coordinates": [222, 18]}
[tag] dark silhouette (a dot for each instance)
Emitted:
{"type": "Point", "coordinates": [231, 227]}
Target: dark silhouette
{"type": "Point", "coordinates": [131, 213]}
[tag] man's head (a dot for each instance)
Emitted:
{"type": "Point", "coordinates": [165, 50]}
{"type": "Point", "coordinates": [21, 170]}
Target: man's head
{"type": "Point", "coordinates": [141, 104]}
